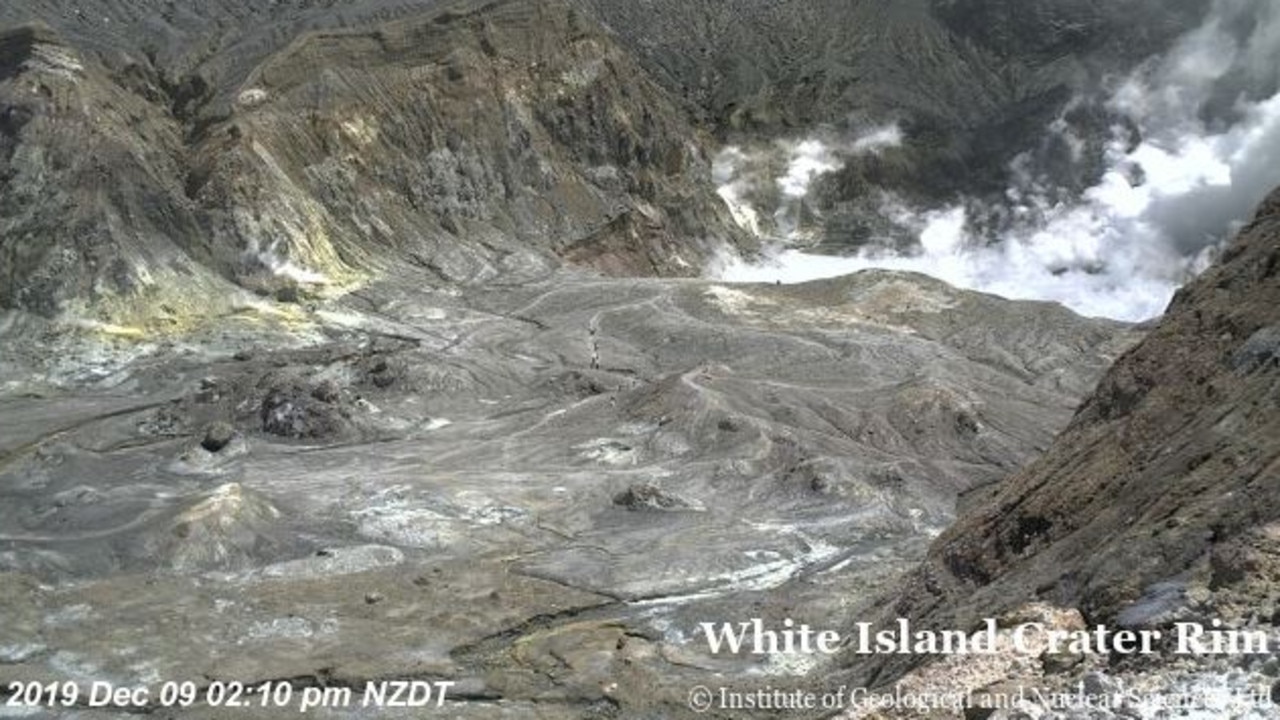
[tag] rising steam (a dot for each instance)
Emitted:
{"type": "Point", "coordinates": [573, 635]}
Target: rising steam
{"type": "Point", "coordinates": [1206, 152]}
{"type": "Point", "coordinates": [780, 175]}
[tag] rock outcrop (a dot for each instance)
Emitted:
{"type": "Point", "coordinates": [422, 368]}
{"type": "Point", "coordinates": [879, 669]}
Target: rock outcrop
{"type": "Point", "coordinates": [461, 139]}
{"type": "Point", "coordinates": [1157, 503]}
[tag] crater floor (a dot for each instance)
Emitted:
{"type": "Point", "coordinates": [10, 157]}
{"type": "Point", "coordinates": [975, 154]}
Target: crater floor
{"type": "Point", "coordinates": [537, 489]}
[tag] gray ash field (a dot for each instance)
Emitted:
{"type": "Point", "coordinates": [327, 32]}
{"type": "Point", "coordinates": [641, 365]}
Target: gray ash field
{"type": "Point", "coordinates": [538, 491]}
{"type": "Point", "coordinates": [392, 341]}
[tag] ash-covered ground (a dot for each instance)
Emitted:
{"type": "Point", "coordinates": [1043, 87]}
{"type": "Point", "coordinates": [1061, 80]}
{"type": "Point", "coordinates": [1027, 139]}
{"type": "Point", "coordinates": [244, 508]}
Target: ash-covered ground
{"type": "Point", "coordinates": [536, 489]}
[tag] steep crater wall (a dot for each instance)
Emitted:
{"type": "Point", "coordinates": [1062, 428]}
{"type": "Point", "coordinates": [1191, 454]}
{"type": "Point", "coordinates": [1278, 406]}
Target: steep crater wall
{"type": "Point", "coordinates": [462, 138]}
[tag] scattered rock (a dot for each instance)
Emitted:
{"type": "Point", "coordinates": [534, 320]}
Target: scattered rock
{"type": "Point", "coordinates": [382, 373]}
{"type": "Point", "coordinates": [288, 294]}
{"type": "Point", "coordinates": [1060, 662]}
{"type": "Point", "coordinates": [210, 391]}
{"type": "Point", "coordinates": [1096, 683]}
{"type": "Point", "coordinates": [729, 425]}
{"type": "Point", "coordinates": [217, 436]}
{"type": "Point", "coordinates": [978, 711]}
{"type": "Point", "coordinates": [1260, 350]}
{"type": "Point", "coordinates": [327, 391]}
{"type": "Point", "coordinates": [290, 410]}
{"type": "Point", "coordinates": [579, 384]}
{"type": "Point", "coordinates": [164, 422]}
{"type": "Point", "coordinates": [649, 496]}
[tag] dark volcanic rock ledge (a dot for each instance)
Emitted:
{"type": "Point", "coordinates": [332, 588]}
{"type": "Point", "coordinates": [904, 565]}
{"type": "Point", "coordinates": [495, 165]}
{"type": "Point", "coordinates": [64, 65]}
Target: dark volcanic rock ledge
{"type": "Point", "coordinates": [1158, 502]}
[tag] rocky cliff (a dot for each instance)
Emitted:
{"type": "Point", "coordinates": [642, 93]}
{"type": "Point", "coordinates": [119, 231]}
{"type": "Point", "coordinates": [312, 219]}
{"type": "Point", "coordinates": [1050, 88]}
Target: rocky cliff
{"type": "Point", "coordinates": [300, 148]}
{"type": "Point", "coordinates": [973, 83]}
{"type": "Point", "coordinates": [458, 138]}
{"type": "Point", "coordinates": [1157, 503]}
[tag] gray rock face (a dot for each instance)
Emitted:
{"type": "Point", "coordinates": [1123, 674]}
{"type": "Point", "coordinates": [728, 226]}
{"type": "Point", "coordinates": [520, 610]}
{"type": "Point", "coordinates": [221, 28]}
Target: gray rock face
{"type": "Point", "coordinates": [1045, 30]}
{"type": "Point", "coordinates": [1260, 351]}
{"type": "Point", "coordinates": [297, 148]}
{"type": "Point", "coordinates": [463, 141]}
{"type": "Point", "coordinates": [541, 488]}
{"type": "Point", "coordinates": [972, 82]}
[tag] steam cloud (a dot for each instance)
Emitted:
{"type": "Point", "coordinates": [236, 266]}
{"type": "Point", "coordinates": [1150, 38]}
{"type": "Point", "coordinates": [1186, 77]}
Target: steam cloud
{"type": "Point", "coordinates": [780, 175]}
{"type": "Point", "coordinates": [1208, 121]}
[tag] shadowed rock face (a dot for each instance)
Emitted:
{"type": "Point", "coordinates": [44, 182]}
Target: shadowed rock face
{"type": "Point", "coordinates": [973, 83]}
{"type": "Point", "coordinates": [91, 200]}
{"type": "Point", "coordinates": [1157, 503]}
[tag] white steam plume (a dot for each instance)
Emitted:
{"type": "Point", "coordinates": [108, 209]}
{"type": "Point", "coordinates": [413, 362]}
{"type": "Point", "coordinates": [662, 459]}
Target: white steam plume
{"type": "Point", "coordinates": [1209, 117]}
{"type": "Point", "coordinates": [781, 174]}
